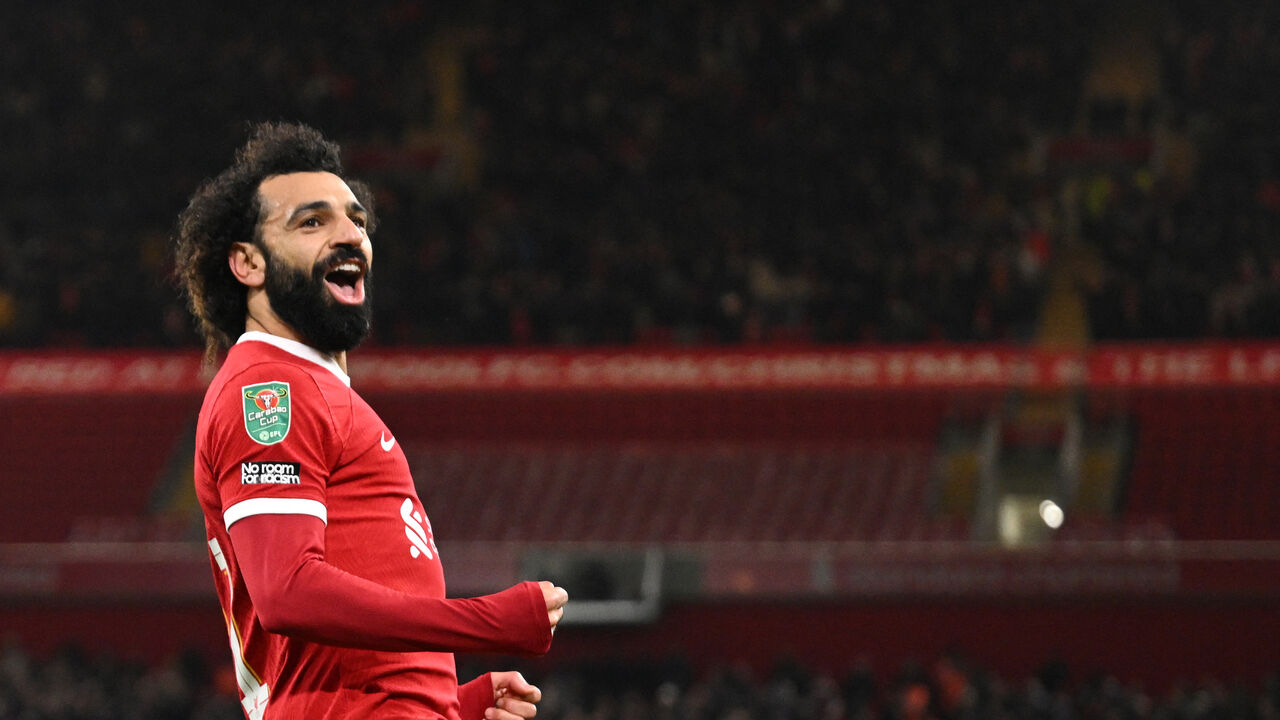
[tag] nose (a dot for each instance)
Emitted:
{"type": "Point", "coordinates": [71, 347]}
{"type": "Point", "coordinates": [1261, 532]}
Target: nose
{"type": "Point", "coordinates": [349, 233]}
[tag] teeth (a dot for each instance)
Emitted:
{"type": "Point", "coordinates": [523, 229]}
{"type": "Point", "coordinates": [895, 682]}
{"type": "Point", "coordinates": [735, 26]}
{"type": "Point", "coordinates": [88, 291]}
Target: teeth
{"type": "Point", "coordinates": [347, 267]}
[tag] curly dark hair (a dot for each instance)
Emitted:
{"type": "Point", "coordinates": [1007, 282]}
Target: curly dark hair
{"type": "Point", "coordinates": [227, 209]}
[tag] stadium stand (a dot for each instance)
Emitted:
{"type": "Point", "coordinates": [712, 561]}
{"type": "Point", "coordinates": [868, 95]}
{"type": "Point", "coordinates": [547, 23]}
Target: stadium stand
{"type": "Point", "coordinates": [612, 175]}
{"type": "Point", "coordinates": [86, 467]}
{"type": "Point", "coordinates": [646, 493]}
{"type": "Point", "coordinates": [1203, 463]}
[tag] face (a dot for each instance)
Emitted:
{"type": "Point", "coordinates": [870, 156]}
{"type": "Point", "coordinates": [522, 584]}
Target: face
{"type": "Point", "coordinates": [318, 256]}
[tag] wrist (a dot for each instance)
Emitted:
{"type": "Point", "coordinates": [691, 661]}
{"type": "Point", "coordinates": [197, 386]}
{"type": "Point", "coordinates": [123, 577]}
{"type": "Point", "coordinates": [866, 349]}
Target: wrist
{"type": "Point", "coordinates": [475, 697]}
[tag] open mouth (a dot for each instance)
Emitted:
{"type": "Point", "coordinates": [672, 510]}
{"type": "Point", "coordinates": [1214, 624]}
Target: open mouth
{"type": "Point", "coordinates": [345, 281]}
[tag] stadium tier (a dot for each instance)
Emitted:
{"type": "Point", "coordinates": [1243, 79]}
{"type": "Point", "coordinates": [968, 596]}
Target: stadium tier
{"type": "Point", "coordinates": [644, 492]}
{"type": "Point", "coordinates": [845, 485]}
{"type": "Point", "coordinates": [739, 445]}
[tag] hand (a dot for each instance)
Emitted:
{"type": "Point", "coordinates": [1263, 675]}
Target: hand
{"type": "Point", "coordinates": [513, 697]}
{"type": "Point", "coordinates": [556, 597]}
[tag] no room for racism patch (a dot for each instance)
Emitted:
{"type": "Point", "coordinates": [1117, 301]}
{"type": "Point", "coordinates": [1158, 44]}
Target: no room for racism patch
{"type": "Point", "coordinates": [267, 472]}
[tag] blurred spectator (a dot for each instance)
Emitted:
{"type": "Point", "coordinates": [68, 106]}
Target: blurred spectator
{"type": "Point", "coordinates": [73, 685]}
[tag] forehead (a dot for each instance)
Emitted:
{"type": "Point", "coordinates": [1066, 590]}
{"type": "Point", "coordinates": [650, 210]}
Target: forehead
{"type": "Point", "coordinates": [285, 192]}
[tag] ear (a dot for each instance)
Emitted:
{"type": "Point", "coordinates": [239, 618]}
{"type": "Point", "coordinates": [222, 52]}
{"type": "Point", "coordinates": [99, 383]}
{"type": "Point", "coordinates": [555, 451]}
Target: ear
{"type": "Point", "coordinates": [248, 264]}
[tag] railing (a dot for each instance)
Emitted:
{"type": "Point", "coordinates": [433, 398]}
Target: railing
{"type": "Point", "coordinates": [153, 572]}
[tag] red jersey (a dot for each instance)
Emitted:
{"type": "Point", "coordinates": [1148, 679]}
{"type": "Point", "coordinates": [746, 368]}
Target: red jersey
{"type": "Point", "coordinates": [281, 433]}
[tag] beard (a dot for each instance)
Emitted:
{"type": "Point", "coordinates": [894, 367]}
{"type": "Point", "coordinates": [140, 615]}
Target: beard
{"type": "Point", "coordinates": [301, 299]}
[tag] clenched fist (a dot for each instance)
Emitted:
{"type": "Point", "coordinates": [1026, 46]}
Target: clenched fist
{"type": "Point", "coordinates": [556, 598]}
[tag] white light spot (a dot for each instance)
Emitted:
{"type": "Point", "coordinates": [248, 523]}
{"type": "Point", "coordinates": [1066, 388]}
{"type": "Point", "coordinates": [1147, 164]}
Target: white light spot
{"type": "Point", "coordinates": [1051, 514]}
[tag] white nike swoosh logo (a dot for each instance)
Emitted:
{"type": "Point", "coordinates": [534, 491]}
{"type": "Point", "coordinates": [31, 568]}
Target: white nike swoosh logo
{"type": "Point", "coordinates": [387, 444]}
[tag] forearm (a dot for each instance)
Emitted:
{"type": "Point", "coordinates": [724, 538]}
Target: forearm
{"type": "Point", "coordinates": [296, 593]}
{"type": "Point", "coordinates": [347, 610]}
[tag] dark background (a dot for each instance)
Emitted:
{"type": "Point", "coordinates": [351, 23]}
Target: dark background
{"type": "Point", "coordinates": [736, 176]}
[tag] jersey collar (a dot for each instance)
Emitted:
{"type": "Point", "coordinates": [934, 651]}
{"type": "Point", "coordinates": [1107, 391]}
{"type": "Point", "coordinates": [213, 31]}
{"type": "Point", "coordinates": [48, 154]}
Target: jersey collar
{"type": "Point", "coordinates": [293, 347]}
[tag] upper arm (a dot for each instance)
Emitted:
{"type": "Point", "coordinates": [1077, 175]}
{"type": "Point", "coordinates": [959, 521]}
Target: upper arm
{"type": "Point", "coordinates": [271, 444]}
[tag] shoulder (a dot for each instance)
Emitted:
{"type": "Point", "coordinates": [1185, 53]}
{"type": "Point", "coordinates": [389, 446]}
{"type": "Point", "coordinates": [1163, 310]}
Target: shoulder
{"type": "Point", "coordinates": [272, 394]}
{"type": "Point", "coordinates": [254, 364]}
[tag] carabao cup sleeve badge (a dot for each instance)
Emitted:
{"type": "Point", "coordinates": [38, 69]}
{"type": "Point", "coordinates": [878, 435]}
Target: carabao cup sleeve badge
{"type": "Point", "coordinates": [266, 411]}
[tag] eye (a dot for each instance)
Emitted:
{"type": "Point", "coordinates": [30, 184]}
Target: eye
{"type": "Point", "coordinates": [359, 221]}
{"type": "Point", "coordinates": [310, 222]}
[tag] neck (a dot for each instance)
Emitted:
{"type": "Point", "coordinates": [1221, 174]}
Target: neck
{"type": "Point", "coordinates": [262, 319]}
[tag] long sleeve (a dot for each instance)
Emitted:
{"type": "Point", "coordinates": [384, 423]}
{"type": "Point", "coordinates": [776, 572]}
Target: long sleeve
{"type": "Point", "coordinates": [475, 697]}
{"type": "Point", "coordinates": [296, 593]}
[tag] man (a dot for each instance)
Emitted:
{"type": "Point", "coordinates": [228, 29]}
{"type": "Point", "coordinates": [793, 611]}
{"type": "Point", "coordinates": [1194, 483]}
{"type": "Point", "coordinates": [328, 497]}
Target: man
{"type": "Point", "coordinates": [326, 568]}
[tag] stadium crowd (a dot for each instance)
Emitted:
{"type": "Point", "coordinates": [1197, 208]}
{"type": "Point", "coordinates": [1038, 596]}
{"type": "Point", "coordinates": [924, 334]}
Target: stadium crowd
{"type": "Point", "coordinates": [615, 173]}
{"type": "Point", "coordinates": [1192, 254]}
{"type": "Point", "coordinates": [76, 685]}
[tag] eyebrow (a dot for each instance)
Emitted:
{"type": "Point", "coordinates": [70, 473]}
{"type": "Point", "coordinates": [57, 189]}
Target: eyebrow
{"type": "Point", "coordinates": [352, 207]}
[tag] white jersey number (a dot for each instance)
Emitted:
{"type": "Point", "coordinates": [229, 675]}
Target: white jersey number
{"type": "Point", "coordinates": [251, 686]}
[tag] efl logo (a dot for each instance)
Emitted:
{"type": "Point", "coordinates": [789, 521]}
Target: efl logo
{"type": "Point", "coordinates": [270, 473]}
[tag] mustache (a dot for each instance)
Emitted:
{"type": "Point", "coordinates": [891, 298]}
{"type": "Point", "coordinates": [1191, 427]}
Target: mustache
{"type": "Point", "coordinates": [340, 255]}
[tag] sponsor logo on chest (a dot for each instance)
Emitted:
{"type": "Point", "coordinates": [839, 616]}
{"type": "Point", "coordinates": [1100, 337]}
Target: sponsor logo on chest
{"type": "Point", "coordinates": [417, 528]}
